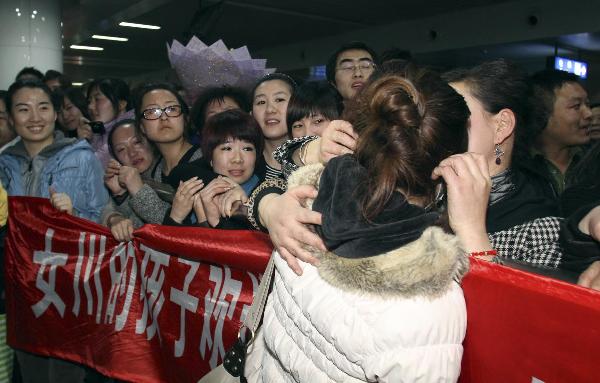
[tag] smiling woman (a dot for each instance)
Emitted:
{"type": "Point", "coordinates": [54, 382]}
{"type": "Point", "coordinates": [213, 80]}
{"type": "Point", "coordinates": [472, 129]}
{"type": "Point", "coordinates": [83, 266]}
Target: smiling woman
{"type": "Point", "coordinates": [46, 164]}
{"type": "Point", "coordinates": [232, 141]}
{"type": "Point", "coordinates": [270, 99]}
{"type": "Point", "coordinates": [62, 165]}
{"type": "Point", "coordinates": [33, 117]}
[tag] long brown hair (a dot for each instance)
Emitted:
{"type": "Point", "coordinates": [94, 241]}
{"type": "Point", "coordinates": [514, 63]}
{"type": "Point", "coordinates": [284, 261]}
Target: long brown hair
{"type": "Point", "coordinates": [407, 123]}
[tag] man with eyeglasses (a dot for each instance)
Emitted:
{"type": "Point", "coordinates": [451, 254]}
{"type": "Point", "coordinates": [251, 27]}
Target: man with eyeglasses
{"type": "Point", "coordinates": [349, 67]}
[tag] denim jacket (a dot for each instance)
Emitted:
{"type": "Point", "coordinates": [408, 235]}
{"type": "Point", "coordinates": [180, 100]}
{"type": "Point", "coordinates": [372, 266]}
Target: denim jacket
{"type": "Point", "coordinates": [67, 165]}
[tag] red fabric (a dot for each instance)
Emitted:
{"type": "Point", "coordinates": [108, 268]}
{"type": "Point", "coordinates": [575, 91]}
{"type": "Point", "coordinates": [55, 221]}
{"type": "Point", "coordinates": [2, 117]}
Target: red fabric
{"type": "Point", "coordinates": [88, 337]}
{"type": "Point", "coordinates": [521, 326]}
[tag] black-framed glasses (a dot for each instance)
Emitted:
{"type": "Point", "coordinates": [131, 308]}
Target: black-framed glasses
{"type": "Point", "coordinates": [156, 113]}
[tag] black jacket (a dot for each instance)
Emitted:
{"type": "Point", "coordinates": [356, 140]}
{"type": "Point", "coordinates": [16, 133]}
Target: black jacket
{"type": "Point", "coordinates": [580, 250]}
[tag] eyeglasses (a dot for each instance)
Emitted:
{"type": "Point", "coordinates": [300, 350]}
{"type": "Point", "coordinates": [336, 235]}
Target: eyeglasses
{"type": "Point", "coordinates": [350, 67]}
{"type": "Point", "coordinates": [156, 113]}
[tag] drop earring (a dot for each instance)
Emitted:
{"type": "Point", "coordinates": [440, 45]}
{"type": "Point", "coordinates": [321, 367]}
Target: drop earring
{"type": "Point", "coordinates": [498, 152]}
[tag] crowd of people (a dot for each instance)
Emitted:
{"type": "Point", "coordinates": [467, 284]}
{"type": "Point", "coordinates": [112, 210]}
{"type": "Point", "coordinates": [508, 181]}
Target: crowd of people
{"type": "Point", "coordinates": [375, 186]}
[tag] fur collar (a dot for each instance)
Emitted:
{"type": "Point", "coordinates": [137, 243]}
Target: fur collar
{"type": "Point", "coordinates": [425, 267]}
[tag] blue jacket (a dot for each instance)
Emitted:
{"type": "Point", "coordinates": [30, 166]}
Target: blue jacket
{"type": "Point", "coordinates": [68, 165]}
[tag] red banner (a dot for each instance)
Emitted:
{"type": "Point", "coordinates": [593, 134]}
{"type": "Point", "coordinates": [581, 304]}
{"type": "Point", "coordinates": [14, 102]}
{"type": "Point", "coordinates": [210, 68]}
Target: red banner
{"type": "Point", "coordinates": [165, 307]}
{"type": "Point", "coordinates": [524, 327]}
{"type": "Point", "coordinates": [162, 308]}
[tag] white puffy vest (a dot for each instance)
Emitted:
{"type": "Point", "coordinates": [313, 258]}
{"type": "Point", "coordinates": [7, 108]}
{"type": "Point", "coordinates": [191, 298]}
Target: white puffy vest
{"type": "Point", "coordinates": [314, 332]}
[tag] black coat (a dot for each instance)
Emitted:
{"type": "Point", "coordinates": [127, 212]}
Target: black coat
{"type": "Point", "coordinates": [580, 250]}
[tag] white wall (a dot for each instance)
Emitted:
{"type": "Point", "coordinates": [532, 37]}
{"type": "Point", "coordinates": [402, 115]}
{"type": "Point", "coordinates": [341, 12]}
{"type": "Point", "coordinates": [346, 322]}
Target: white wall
{"type": "Point", "coordinates": [27, 41]}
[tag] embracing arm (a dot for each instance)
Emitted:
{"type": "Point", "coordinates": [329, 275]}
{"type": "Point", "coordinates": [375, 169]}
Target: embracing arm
{"type": "Point", "coordinates": [282, 213]}
{"type": "Point", "coordinates": [289, 155]}
{"type": "Point", "coordinates": [337, 139]}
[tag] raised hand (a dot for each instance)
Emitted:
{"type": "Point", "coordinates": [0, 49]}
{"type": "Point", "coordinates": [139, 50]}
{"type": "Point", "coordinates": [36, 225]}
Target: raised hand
{"type": "Point", "coordinates": [231, 200]}
{"type": "Point", "coordinates": [129, 178]}
{"type": "Point", "coordinates": [61, 201]}
{"type": "Point", "coordinates": [338, 138]}
{"type": "Point", "coordinates": [185, 195]}
{"type": "Point", "coordinates": [468, 186]}
{"type": "Point", "coordinates": [111, 178]}
{"type": "Point", "coordinates": [84, 131]}
{"type": "Point", "coordinates": [208, 195]}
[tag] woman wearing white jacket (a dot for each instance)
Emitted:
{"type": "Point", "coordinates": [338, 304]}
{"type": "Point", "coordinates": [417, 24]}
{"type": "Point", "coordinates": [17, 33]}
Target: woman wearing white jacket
{"type": "Point", "coordinates": [384, 303]}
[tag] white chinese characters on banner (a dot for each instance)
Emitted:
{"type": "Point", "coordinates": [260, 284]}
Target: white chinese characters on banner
{"type": "Point", "coordinates": [151, 290]}
{"type": "Point", "coordinates": [126, 274]}
{"type": "Point", "coordinates": [93, 263]}
{"type": "Point", "coordinates": [186, 301]}
{"type": "Point", "coordinates": [217, 306]}
{"type": "Point", "coordinates": [48, 258]}
{"type": "Point", "coordinates": [124, 253]}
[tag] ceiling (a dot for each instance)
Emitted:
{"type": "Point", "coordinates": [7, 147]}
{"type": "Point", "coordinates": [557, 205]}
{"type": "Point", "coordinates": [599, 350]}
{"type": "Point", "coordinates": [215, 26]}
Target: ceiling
{"type": "Point", "coordinates": [260, 24]}
{"type": "Point", "coordinates": [255, 23]}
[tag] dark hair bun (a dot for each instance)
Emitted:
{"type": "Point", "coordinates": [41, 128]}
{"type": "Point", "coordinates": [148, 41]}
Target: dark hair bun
{"type": "Point", "coordinates": [407, 123]}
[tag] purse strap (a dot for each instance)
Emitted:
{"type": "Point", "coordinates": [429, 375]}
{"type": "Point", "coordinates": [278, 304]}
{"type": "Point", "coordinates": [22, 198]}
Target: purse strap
{"type": "Point", "coordinates": [235, 359]}
{"type": "Point", "coordinates": [257, 309]}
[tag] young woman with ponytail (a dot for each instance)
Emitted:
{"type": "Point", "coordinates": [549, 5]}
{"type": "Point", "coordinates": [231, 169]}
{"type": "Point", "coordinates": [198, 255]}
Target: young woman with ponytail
{"type": "Point", "coordinates": [384, 302]}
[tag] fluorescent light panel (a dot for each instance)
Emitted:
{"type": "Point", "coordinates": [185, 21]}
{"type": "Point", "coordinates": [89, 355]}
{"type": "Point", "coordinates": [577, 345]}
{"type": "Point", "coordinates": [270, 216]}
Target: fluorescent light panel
{"type": "Point", "coordinates": [86, 47]}
{"type": "Point", "coordinates": [77, 83]}
{"type": "Point", "coordinates": [135, 25]}
{"type": "Point", "coordinates": [112, 38]}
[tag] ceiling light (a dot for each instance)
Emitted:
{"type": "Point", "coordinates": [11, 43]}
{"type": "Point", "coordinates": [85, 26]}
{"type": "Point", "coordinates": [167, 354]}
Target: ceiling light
{"type": "Point", "coordinates": [87, 48]}
{"type": "Point", "coordinates": [77, 83]}
{"type": "Point", "coordinates": [112, 38]}
{"type": "Point", "coordinates": [135, 25]}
